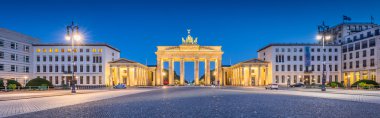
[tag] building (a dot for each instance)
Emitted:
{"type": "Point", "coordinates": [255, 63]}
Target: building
{"type": "Point", "coordinates": [252, 72]}
{"type": "Point", "coordinates": [189, 51]}
{"type": "Point", "coordinates": [16, 55]}
{"type": "Point", "coordinates": [301, 63]}
{"type": "Point", "coordinates": [54, 63]}
{"type": "Point", "coordinates": [361, 56]}
{"type": "Point", "coordinates": [130, 73]}
{"type": "Point", "coordinates": [339, 32]}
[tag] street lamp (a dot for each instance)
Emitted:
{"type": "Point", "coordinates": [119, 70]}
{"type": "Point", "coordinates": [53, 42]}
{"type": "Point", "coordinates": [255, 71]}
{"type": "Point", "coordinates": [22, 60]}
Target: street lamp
{"type": "Point", "coordinates": [322, 35]}
{"type": "Point", "coordinates": [72, 33]}
{"type": "Point", "coordinates": [25, 81]}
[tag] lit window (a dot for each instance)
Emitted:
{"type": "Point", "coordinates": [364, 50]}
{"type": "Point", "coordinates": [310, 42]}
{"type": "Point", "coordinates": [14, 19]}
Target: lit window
{"type": "Point", "coordinates": [50, 50]}
{"type": "Point", "coordinates": [56, 50]}
{"type": "Point", "coordinates": [100, 50]}
{"type": "Point", "coordinates": [68, 50]}
{"type": "Point", "coordinates": [93, 50]}
{"type": "Point", "coordinates": [62, 50]}
{"type": "Point", "coordinates": [44, 50]}
{"type": "Point", "coordinates": [75, 50]}
{"type": "Point", "coordinates": [38, 50]}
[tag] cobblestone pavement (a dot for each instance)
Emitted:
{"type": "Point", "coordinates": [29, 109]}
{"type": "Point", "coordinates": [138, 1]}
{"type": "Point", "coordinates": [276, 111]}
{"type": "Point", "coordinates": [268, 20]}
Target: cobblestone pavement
{"type": "Point", "coordinates": [207, 102]}
{"type": "Point", "coordinates": [14, 107]}
{"type": "Point", "coordinates": [349, 95]}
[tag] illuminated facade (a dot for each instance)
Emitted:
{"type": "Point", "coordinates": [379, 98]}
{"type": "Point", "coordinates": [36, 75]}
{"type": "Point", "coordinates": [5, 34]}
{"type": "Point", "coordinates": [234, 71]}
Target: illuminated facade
{"type": "Point", "coordinates": [16, 56]}
{"type": "Point", "coordinates": [189, 51]}
{"type": "Point", "coordinates": [54, 63]}
{"type": "Point", "coordinates": [301, 63]}
{"type": "Point", "coordinates": [130, 73]}
{"type": "Point", "coordinates": [253, 72]}
{"type": "Point", "coordinates": [361, 56]}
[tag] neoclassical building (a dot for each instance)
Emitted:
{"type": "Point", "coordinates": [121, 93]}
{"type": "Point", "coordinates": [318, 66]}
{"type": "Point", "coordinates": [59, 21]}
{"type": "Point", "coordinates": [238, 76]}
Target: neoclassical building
{"type": "Point", "coordinates": [248, 73]}
{"type": "Point", "coordinates": [189, 51]}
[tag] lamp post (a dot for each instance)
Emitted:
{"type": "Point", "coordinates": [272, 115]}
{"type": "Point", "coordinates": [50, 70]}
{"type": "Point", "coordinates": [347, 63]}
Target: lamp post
{"type": "Point", "coordinates": [72, 33]}
{"type": "Point", "coordinates": [25, 81]}
{"type": "Point", "coordinates": [323, 35]}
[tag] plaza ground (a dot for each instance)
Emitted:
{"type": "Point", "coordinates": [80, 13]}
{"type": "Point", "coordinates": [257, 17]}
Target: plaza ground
{"type": "Point", "coordinates": [200, 102]}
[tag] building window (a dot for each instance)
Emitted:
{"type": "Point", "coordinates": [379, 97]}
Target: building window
{"type": "Point", "coordinates": [357, 64]}
{"type": "Point", "coordinates": [289, 68]}
{"type": "Point", "coordinates": [351, 56]}
{"type": "Point", "coordinates": [44, 58]}
{"type": "Point", "coordinates": [26, 48]}
{"type": "Point", "coordinates": [372, 42]}
{"type": "Point", "coordinates": [282, 67]}
{"type": "Point", "coordinates": [50, 68]}
{"type": "Point", "coordinates": [14, 45]}
{"type": "Point", "coordinates": [38, 68]}
{"type": "Point", "coordinates": [87, 68]}
{"type": "Point", "coordinates": [81, 68]}
{"type": "Point", "coordinates": [13, 68]}
{"type": "Point", "coordinates": [81, 58]}
{"type": "Point", "coordinates": [62, 68]}
{"type": "Point", "coordinates": [50, 58]}
{"type": "Point", "coordinates": [277, 79]}
{"type": "Point", "coordinates": [301, 68]}
{"type": "Point", "coordinates": [294, 67]}
{"type": "Point", "coordinates": [51, 79]}
{"type": "Point", "coordinates": [344, 65]}
{"type": "Point", "coordinates": [100, 79]}
{"type": "Point", "coordinates": [1, 55]}
{"type": "Point", "coordinates": [350, 65]}
{"type": "Point", "coordinates": [88, 58]}
{"type": "Point", "coordinates": [93, 79]}
{"type": "Point", "coordinates": [372, 52]}
{"type": "Point", "coordinates": [56, 58]}
{"type": "Point", "coordinates": [372, 62]}
{"type": "Point", "coordinates": [283, 79]}
{"type": "Point", "coordinates": [93, 68]}
{"type": "Point", "coordinates": [14, 57]}
{"type": "Point", "coordinates": [81, 79]}
{"type": "Point", "coordinates": [364, 63]}
{"type": "Point", "coordinates": [364, 53]}
{"type": "Point", "coordinates": [1, 43]}
{"type": "Point", "coordinates": [62, 58]}
{"type": "Point", "coordinates": [56, 80]}
{"type": "Point", "coordinates": [101, 68]}
{"type": "Point", "coordinates": [87, 80]}
{"type": "Point", "coordinates": [301, 58]}
{"type": "Point", "coordinates": [75, 68]}
{"type": "Point", "coordinates": [1, 67]}
{"type": "Point", "coordinates": [364, 44]}
{"type": "Point", "coordinates": [336, 67]}
{"type": "Point", "coordinates": [56, 68]}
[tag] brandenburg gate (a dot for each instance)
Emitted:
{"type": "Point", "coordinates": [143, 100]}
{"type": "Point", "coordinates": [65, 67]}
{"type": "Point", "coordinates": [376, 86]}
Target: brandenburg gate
{"type": "Point", "coordinates": [189, 51]}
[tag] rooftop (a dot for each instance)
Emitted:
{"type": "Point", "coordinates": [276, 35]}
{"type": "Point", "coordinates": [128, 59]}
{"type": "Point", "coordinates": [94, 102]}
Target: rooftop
{"type": "Point", "coordinates": [66, 44]}
{"type": "Point", "coordinates": [295, 44]}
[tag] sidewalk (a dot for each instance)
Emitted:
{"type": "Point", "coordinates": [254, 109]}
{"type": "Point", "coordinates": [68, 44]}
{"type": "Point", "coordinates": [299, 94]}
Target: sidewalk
{"type": "Point", "coordinates": [17, 95]}
{"type": "Point", "coordinates": [14, 107]}
{"type": "Point", "coordinates": [340, 91]}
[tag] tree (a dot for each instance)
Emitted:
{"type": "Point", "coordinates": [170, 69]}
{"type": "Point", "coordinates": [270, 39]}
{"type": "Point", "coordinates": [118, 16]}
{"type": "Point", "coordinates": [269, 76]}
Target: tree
{"type": "Point", "coordinates": [39, 82]}
{"type": "Point", "coordinates": [9, 83]}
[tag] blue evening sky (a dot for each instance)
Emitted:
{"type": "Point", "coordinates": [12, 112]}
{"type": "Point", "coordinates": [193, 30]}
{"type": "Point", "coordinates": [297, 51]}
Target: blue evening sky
{"type": "Point", "coordinates": [137, 27]}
